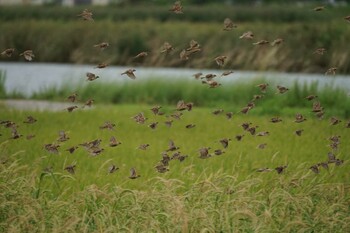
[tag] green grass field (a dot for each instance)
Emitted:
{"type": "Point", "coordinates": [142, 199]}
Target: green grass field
{"type": "Point", "coordinates": [222, 193]}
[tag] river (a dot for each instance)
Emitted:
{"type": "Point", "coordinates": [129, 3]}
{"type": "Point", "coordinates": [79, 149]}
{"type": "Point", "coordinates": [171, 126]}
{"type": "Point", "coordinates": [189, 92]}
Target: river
{"type": "Point", "coordinates": [27, 78]}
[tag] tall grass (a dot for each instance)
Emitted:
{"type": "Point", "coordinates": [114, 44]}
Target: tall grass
{"type": "Point", "coordinates": [215, 203]}
{"type": "Point", "coordinates": [201, 13]}
{"type": "Point", "coordinates": [230, 95]}
{"type": "Point", "coordinates": [128, 38]}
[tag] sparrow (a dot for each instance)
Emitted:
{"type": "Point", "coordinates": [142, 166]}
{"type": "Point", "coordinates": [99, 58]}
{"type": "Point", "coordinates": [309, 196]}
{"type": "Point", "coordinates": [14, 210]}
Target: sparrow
{"type": "Point", "coordinates": [220, 60]}
{"type": "Point", "coordinates": [204, 153]}
{"type": "Point", "coordinates": [8, 52]}
{"type": "Point", "coordinates": [281, 89]}
{"type": "Point", "coordinates": [30, 120]}
{"type": "Point", "coordinates": [130, 73]}
{"type": "Point", "coordinates": [73, 97]}
{"type": "Point", "coordinates": [70, 169]}
{"type": "Point", "coordinates": [247, 35]}
{"type": "Point", "coordinates": [141, 54]}
{"type": "Point", "coordinates": [91, 76]}
{"type": "Point", "coordinates": [167, 48]}
{"type": "Point", "coordinates": [228, 25]}
{"type": "Point", "coordinates": [86, 15]}
{"type": "Point", "coordinates": [112, 169]}
{"type": "Point", "coordinates": [261, 42]}
{"type": "Point", "coordinates": [319, 8]}
{"type": "Point", "coordinates": [177, 8]}
{"type": "Point", "coordinates": [311, 97]}
{"type": "Point", "coordinates": [278, 41]}
{"type": "Point", "coordinates": [28, 55]}
{"type": "Point", "coordinates": [133, 174]}
{"type": "Point", "coordinates": [102, 45]}
{"type": "Point", "coordinates": [331, 71]}
{"type": "Point", "coordinates": [113, 142]}
{"type": "Point", "coordinates": [320, 51]}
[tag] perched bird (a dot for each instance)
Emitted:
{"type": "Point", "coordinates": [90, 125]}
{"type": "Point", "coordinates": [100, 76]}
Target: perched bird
{"type": "Point", "coordinates": [204, 153]}
{"type": "Point", "coordinates": [166, 48]}
{"type": "Point", "coordinates": [261, 42]}
{"type": "Point", "coordinates": [278, 41]}
{"type": "Point", "coordinates": [299, 132]}
{"type": "Point", "coordinates": [320, 51]}
{"type": "Point", "coordinates": [30, 120]}
{"type": "Point", "coordinates": [130, 73]}
{"type": "Point", "coordinates": [91, 76]}
{"type": "Point", "coordinates": [177, 8]}
{"type": "Point", "coordinates": [262, 146]}
{"type": "Point", "coordinates": [247, 35]}
{"type": "Point", "coordinates": [102, 46]}
{"type": "Point", "coordinates": [143, 146]}
{"type": "Point", "coordinates": [70, 169]}
{"type": "Point", "coordinates": [28, 55]}
{"type": "Point", "coordinates": [228, 25]}
{"type": "Point", "coordinates": [263, 87]}
{"type": "Point", "coordinates": [86, 15]}
{"type": "Point", "coordinates": [141, 54]}
{"type": "Point", "coordinates": [319, 8]}
{"type": "Point", "coordinates": [281, 89]}
{"type": "Point", "coordinates": [71, 108]}
{"type": "Point", "coordinates": [331, 71]}
{"type": "Point", "coordinates": [113, 142]}
{"type": "Point", "coordinates": [220, 60]}
{"type": "Point", "coordinates": [311, 97]}
{"type": "Point", "coordinates": [108, 125]}
{"type": "Point", "coordinates": [73, 97]}
{"type": "Point", "coordinates": [133, 174]}
{"type": "Point", "coordinates": [112, 169]}
{"type": "Point", "coordinates": [299, 118]}
{"type": "Point", "coordinates": [8, 52]}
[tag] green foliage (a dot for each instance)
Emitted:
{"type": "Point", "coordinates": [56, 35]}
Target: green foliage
{"type": "Point", "coordinates": [230, 95]}
{"type": "Point", "coordinates": [222, 193]}
{"type": "Point", "coordinates": [128, 38]}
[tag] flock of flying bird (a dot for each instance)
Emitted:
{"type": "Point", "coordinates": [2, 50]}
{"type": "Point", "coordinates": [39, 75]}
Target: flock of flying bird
{"type": "Point", "coordinates": [94, 149]}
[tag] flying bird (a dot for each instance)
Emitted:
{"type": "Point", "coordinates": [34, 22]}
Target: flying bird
{"type": "Point", "coordinates": [130, 73]}
{"type": "Point", "coordinates": [229, 25]}
{"type": "Point", "coordinates": [28, 55]}
{"type": "Point", "coordinates": [8, 52]}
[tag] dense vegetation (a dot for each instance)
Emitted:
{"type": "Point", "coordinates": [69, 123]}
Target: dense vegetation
{"type": "Point", "coordinates": [221, 193]}
{"type": "Point", "coordinates": [57, 35]}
